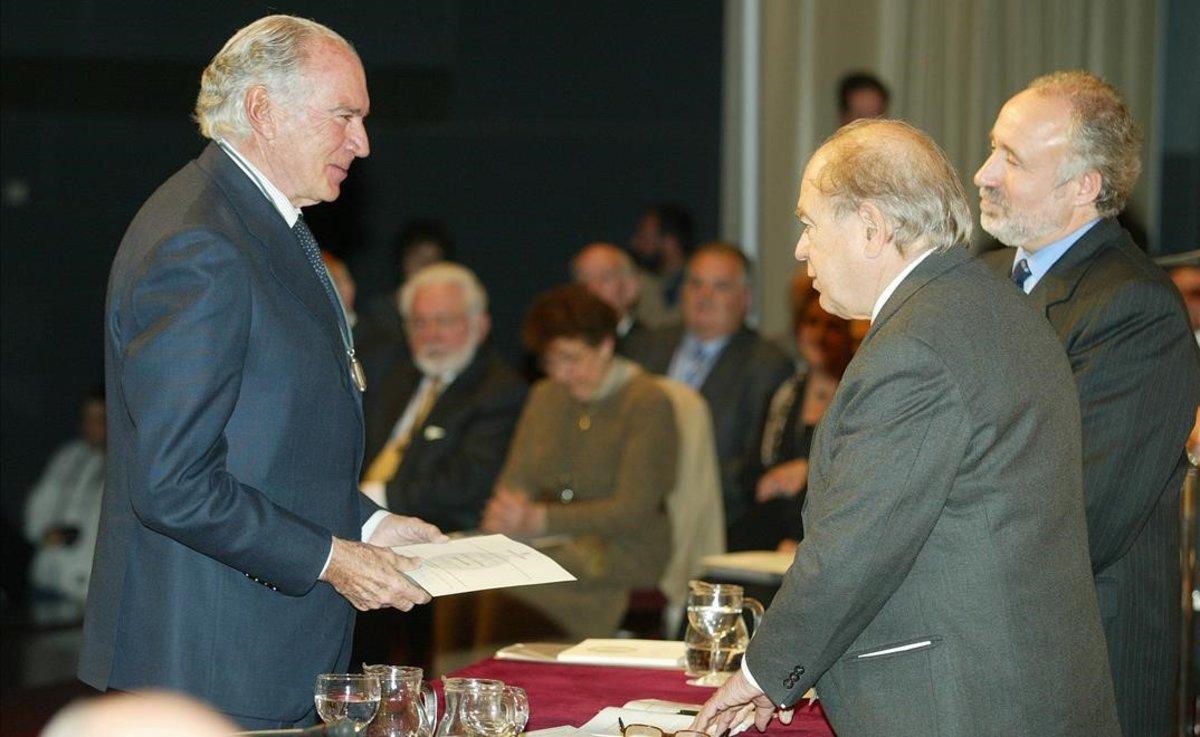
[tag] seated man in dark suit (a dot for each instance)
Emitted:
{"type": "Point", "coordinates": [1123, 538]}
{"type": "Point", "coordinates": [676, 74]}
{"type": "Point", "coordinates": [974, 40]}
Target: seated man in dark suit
{"type": "Point", "coordinates": [609, 273]}
{"type": "Point", "coordinates": [714, 352]}
{"type": "Point", "coordinates": [439, 425]}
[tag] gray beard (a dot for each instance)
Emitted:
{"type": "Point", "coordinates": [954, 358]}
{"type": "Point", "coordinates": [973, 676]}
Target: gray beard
{"type": "Point", "coordinates": [451, 364]}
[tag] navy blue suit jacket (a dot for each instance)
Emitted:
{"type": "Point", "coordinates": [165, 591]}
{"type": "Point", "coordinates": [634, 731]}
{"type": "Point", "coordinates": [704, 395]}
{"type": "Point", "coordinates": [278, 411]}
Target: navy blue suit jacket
{"type": "Point", "coordinates": [235, 441]}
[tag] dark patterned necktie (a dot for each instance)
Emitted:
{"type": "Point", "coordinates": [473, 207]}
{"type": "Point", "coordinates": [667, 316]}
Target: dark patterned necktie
{"type": "Point", "coordinates": [1020, 273]}
{"type": "Point", "coordinates": [309, 243]}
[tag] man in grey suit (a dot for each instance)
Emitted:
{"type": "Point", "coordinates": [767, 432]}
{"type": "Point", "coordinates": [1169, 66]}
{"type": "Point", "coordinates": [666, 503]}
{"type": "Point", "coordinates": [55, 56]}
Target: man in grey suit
{"type": "Point", "coordinates": [1064, 160]}
{"type": "Point", "coordinates": [718, 355]}
{"type": "Point", "coordinates": [942, 586]}
{"type": "Point", "coordinates": [234, 545]}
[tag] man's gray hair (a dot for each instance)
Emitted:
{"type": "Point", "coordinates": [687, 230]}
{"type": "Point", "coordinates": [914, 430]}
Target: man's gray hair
{"type": "Point", "coordinates": [904, 173]}
{"type": "Point", "coordinates": [268, 52]}
{"type": "Point", "coordinates": [1102, 135]}
{"type": "Point", "coordinates": [445, 272]}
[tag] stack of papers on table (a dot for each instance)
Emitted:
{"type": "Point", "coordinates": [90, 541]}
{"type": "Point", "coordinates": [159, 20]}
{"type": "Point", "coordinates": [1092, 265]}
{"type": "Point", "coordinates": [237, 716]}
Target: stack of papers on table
{"type": "Point", "coordinates": [632, 653]}
{"type": "Point", "coordinates": [666, 654]}
{"type": "Point", "coordinates": [760, 566]}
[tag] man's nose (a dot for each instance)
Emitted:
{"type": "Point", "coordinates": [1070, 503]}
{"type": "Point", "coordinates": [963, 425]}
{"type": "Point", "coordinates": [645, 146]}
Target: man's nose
{"type": "Point", "coordinates": [986, 175]}
{"type": "Point", "coordinates": [359, 140]}
{"type": "Point", "coordinates": [801, 250]}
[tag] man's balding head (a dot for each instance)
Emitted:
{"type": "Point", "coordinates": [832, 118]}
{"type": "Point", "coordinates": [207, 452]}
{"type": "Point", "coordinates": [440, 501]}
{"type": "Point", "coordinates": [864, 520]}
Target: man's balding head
{"type": "Point", "coordinates": [149, 714]}
{"type": "Point", "coordinates": [609, 272]}
{"type": "Point", "coordinates": [903, 172]}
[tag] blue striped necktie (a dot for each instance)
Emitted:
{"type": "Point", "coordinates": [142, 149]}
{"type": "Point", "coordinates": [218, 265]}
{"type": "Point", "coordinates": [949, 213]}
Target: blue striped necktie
{"type": "Point", "coordinates": [1020, 273]}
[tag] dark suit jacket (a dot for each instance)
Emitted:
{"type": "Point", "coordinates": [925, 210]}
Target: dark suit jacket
{"type": "Point", "coordinates": [1137, 371]}
{"type": "Point", "coordinates": [943, 586]}
{"type": "Point", "coordinates": [234, 441]}
{"type": "Point", "coordinates": [452, 462]}
{"type": "Point", "coordinates": [738, 389]}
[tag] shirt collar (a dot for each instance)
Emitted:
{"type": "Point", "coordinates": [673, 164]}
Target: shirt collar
{"type": "Point", "coordinates": [624, 326]}
{"type": "Point", "coordinates": [710, 347]}
{"type": "Point", "coordinates": [891, 287]}
{"type": "Point", "coordinates": [287, 210]}
{"type": "Point", "coordinates": [1040, 261]}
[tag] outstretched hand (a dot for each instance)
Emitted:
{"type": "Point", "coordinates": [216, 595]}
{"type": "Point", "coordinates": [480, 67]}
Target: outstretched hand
{"type": "Point", "coordinates": [732, 703]}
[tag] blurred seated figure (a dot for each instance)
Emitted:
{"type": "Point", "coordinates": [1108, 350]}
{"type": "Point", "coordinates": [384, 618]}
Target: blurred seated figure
{"type": "Point", "coordinates": [590, 466]}
{"type": "Point", "coordinates": [379, 335]}
{"type": "Point", "coordinates": [716, 353]}
{"type": "Point", "coordinates": [825, 347]}
{"type": "Point", "coordinates": [142, 714]}
{"type": "Point", "coordinates": [661, 244]}
{"type": "Point", "coordinates": [612, 276]}
{"type": "Point", "coordinates": [440, 422]}
{"type": "Point", "coordinates": [62, 511]}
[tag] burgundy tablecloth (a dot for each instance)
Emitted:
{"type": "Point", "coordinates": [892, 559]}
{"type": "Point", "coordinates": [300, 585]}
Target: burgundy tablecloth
{"type": "Point", "coordinates": [572, 694]}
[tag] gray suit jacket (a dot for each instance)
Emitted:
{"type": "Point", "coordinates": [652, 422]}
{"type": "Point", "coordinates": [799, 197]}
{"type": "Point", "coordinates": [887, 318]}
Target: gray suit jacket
{"type": "Point", "coordinates": [234, 438]}
{"type": "Point", "coordinates": [738, 389]}
{"type": "Point", "coordinates": [1137, 371]}
{"type": "Point", "coordinates": [943, 587]}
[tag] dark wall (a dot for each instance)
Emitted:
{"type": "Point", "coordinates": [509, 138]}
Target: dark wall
{"type": "Point", "coordinates": [530, 127]}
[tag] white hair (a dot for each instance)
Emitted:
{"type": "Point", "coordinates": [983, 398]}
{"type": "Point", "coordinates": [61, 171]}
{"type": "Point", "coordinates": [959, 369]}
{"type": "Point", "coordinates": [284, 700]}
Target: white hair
{"type": "Point", "coordinates": [444, 272]}
{"type": "Point", "coordinates": [269, 52]}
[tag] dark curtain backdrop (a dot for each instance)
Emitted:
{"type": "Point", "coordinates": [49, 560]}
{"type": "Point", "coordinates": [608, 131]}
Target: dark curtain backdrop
{"type": "Point", "coordinates": [529, 127]}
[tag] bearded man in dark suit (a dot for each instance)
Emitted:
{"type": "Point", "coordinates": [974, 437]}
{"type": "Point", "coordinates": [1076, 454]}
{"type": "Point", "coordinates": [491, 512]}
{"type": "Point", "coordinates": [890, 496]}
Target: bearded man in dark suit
{"type": "Point", "coordinates": [234, 544]}
{"type": "Point", "coordinates": [1063, 163]}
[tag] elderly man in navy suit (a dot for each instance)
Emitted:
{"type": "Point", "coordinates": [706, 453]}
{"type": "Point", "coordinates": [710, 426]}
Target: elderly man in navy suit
{"type": "Point", "coordinates": [234, 543]}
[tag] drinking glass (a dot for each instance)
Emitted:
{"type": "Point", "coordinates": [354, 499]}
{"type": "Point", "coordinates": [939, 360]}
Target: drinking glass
{"type": "Point", "coordinates": [352, 697]}
{"type": "Point", "coordinates": [713, 611]}
{"type": "Point", "coordinates": [494, 710]}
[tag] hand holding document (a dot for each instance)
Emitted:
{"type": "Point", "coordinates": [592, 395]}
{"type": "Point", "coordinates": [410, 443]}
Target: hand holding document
{"type": "Point", "coordinates": [480, 563]}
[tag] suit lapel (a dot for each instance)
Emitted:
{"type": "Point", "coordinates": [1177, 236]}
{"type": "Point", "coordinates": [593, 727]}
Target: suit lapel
{"type": "Point", "coordinates": [733, 357]}
{"type": "Point", "coordinates": [1059, 283]}
{"type": "Point", "coordinates": [284, 255]}
{"type": "Point", "coordinates": [933, 266]}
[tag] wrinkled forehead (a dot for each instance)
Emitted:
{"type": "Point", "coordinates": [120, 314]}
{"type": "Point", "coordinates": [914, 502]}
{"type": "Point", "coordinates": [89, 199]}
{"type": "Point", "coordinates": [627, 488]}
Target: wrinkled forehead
{"type": "Point", "coordinates": [439, 297]}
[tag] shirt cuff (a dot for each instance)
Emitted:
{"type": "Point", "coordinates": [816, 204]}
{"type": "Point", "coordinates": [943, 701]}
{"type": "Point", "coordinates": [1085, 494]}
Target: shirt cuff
{"type": "Point", "coordinates": [368, 529]}
{"type": "Point", "coordinates": [746, 673]}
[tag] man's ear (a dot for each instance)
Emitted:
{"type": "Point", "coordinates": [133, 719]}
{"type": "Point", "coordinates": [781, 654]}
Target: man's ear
{"type": "Point", "coordinates": [875, 229]}
{"type": "Point", "coordinates": [483, 327]}
{"type": "Point", "coordinates": [1087, 187]}
{"type": "Point", "coordinates": [260, 112]}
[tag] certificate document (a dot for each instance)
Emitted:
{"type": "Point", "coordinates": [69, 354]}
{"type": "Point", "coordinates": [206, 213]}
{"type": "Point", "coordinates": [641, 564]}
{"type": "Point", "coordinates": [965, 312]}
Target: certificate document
{"type": "Point", "coordinates": [479, 563]}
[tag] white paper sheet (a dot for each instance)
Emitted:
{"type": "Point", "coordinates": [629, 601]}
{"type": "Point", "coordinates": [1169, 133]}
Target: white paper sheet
{"type": "Point", "coordinates": [605, 724]}
{"type": "Point", "coordinates": [626, 652]}
{"type": "Point", "coordinates": [480, 563]}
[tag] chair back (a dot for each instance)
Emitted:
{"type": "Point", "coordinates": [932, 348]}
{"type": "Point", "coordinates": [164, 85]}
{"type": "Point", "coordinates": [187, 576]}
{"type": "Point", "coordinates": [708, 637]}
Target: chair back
{"type": "Point", "coordinates": [694, 505]}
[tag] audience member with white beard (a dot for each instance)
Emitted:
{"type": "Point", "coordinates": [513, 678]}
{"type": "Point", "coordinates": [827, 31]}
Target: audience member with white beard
{"type": "Point", "coordinates": [438, 426]}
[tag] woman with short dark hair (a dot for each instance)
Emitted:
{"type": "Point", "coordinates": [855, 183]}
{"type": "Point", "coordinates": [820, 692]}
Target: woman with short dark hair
{"type": "Point", "coordinates": [591, 463]}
